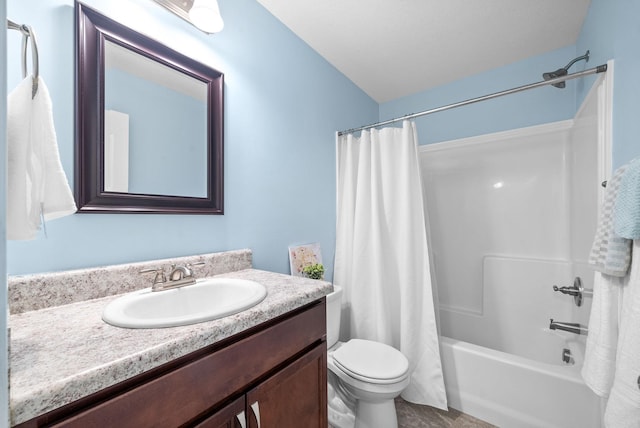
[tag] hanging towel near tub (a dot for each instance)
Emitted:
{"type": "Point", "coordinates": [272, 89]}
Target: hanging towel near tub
{"type": "Point", "coordinates": [626, 217]}
{"type": "Point", "coordinates": [623, 407]}
{"type": "Point", "coordinates": [599, 365]}
{"type": "Point", "coordinates": [37, 187]}
{"type": "Point", "coordinates": [610, 253]}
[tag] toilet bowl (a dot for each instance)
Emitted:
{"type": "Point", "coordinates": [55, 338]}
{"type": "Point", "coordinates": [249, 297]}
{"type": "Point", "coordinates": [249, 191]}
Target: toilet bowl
{"type": "Point", "coordinates": [365, 374]}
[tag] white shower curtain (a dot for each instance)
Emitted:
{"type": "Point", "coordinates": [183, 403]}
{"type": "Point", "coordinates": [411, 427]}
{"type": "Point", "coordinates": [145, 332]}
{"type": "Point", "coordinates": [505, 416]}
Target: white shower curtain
{"type": "Point", "coordinates": [382, 259]}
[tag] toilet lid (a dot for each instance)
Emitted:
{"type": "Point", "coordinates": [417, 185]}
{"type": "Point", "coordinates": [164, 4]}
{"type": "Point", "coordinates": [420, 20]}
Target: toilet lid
{"type": "Point", "coordinates": [371, 361]}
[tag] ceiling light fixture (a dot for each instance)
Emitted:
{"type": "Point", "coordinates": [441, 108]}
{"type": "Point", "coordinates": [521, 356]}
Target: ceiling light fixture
{"type": "Point", "coordinates": [205, 14]}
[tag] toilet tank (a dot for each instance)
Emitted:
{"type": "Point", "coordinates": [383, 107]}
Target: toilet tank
{"type": "Point", "coordinates": [334, 308]}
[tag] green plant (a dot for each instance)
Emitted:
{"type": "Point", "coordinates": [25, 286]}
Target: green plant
{"type": "Point", "coordinates": [314, 271]}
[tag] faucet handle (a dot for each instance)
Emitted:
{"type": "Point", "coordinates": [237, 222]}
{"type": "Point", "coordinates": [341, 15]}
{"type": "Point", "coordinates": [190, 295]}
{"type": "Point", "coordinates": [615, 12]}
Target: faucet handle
{"type": "Point", "coordinates": [191, 265]}
{"type": "Point", "coordinates": [576, 290]}
{"type": "Point", "coordinates": [159, 278]}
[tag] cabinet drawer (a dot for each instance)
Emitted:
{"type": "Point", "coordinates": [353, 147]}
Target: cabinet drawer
{"type": "Point", "coordinates": [179, 396]}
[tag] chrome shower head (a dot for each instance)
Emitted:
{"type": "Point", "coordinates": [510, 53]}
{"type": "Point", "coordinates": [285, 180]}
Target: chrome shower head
{"type": "Point", "coordinates": [563, 71]}
{"type": "Point", "coordinates": [553, 74]}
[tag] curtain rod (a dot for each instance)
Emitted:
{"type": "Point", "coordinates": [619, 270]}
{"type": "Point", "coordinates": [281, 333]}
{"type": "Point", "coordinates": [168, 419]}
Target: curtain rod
{"type": "Point", "coordinates": [599, 69]}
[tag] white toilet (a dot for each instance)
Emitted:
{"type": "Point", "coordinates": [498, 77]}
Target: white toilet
{"type": "Point", "coordinates": [365, 374]}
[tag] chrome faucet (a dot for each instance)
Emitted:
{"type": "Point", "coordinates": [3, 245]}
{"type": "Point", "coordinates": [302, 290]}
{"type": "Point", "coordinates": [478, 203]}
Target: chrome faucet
{"type": "Point", "coordinates": [568, 326]}
{"type": "Point", "coordinates": [179, 276]}
{"type": "Point", "coordinates": [180, 272]}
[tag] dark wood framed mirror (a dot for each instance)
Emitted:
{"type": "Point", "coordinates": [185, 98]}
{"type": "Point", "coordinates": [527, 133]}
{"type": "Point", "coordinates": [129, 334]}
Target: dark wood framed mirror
{"type": "Point", "coordinates": [149, 124]}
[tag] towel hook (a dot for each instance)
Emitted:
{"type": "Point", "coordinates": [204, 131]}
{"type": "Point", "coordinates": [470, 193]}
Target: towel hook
{"type": "Point", "coordinates": [27, 32]}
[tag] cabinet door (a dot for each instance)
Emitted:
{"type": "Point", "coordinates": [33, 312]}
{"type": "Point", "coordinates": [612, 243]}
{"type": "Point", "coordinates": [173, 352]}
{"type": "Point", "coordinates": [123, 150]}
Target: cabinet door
{"type": "Point", "coordinates": [230, 416]}
{"type": "Point", "coordinates": [294, 397]}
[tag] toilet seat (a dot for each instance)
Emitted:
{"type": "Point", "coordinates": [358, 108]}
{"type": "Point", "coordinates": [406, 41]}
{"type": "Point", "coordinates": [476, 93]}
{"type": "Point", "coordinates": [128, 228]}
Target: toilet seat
{"type": "Point", "coordinates": [371, 362]}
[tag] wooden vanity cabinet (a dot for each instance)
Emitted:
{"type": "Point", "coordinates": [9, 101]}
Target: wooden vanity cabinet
{"type": "Point", "coordinates": [228, 416]}
{"type": "Point", "coordinates": [293, 397]}
{"type": "Point", "coordinates": [271, 376]}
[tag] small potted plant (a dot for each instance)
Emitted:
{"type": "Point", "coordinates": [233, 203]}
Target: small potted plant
{"type": "Point", "coordinates": [314, 271]}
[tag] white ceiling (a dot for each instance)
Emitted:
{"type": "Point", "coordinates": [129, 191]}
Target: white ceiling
{"type": "Point", "coordinates": [393, 48]}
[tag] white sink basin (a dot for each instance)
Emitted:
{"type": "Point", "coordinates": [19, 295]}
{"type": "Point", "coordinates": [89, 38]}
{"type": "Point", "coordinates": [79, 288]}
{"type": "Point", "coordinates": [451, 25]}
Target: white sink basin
{"type": "Point", "coordinates": [205, 300]}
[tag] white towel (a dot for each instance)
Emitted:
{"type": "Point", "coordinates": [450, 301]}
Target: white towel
{"type": "Point", "coordinates": [623, 407]}
{"type": "Point", "coordinates": [599, 365]}
{"type": "Point", "coordinates": [37, 185]}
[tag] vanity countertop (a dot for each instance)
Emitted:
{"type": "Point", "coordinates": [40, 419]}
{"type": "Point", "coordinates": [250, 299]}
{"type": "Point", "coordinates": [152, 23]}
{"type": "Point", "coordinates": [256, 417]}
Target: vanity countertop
{"type": "Point", "coordinates": [60, 354]}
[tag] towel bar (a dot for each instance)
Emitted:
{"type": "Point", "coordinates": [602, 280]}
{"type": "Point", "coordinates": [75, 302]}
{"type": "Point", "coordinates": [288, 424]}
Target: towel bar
{"type": "Point", "coordinates": [27, 32]}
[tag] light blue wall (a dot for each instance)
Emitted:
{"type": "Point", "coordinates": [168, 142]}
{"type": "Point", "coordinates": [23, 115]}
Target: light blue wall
{"type": "Point", "coordinates": [167, 150]}
{"type": "Point", "coordinates": [611, 30]}
{"type": "Point", "coordinates": [283, 104]}
{"type": "Point", "coordinates": [528, 108]}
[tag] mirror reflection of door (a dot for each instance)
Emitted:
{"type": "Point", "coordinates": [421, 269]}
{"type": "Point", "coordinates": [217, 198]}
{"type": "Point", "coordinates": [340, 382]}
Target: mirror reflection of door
{"type": "Point", "coordinates": [116, 151]}
{"type": "Point", "coordinates": [155, 127]}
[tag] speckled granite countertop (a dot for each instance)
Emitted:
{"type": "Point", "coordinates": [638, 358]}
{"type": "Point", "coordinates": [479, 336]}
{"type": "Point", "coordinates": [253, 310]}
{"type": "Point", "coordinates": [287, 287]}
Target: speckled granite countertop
{"type": "Point", "coordinates": [63, 353]}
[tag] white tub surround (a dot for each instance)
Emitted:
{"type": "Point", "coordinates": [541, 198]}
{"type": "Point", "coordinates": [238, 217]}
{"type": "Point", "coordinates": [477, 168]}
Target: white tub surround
{"type": "Point", "coordinates": [60, 354]}
{"type": "Point", "coordinates": [513, 214]}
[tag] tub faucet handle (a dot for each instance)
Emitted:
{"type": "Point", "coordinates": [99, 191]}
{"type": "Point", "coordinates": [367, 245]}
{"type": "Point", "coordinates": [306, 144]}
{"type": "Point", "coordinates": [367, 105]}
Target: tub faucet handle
{"type": "Point", "coordinates": [566, 290]}
{"type": "Point", "coordinates": [576, 290]}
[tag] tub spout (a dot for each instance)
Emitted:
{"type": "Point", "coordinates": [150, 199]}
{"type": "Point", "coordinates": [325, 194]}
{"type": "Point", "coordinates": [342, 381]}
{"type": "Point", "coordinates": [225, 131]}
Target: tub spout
{"type": "Point", "coordinates": [568, 326]}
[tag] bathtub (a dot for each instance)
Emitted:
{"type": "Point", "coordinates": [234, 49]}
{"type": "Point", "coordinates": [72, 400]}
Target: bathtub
{"type": "Point", "coordinates": [506, 366]}
{"type": "Point", "coordinates": [515, 392]}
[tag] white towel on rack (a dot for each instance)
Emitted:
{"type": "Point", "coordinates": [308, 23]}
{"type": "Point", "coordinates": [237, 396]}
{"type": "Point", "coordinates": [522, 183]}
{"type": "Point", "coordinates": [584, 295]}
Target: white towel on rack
{"type": "Point", "coordinates": [37, 185]}
{"type": "Point", "coordinates": [599, 365]}
{"type": "Point", "coordinates": [623, 407]}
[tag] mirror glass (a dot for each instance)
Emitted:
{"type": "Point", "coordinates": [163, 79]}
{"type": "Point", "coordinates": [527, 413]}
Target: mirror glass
{"type": "Point", "coordinates": [155, 133]}
{"type": "Point", "coordinates": [149, 123]}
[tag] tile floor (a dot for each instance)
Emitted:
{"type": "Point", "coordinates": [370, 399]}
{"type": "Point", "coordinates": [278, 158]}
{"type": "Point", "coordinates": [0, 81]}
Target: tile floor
{"type": "Point", "coordinates": [417, 416]}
